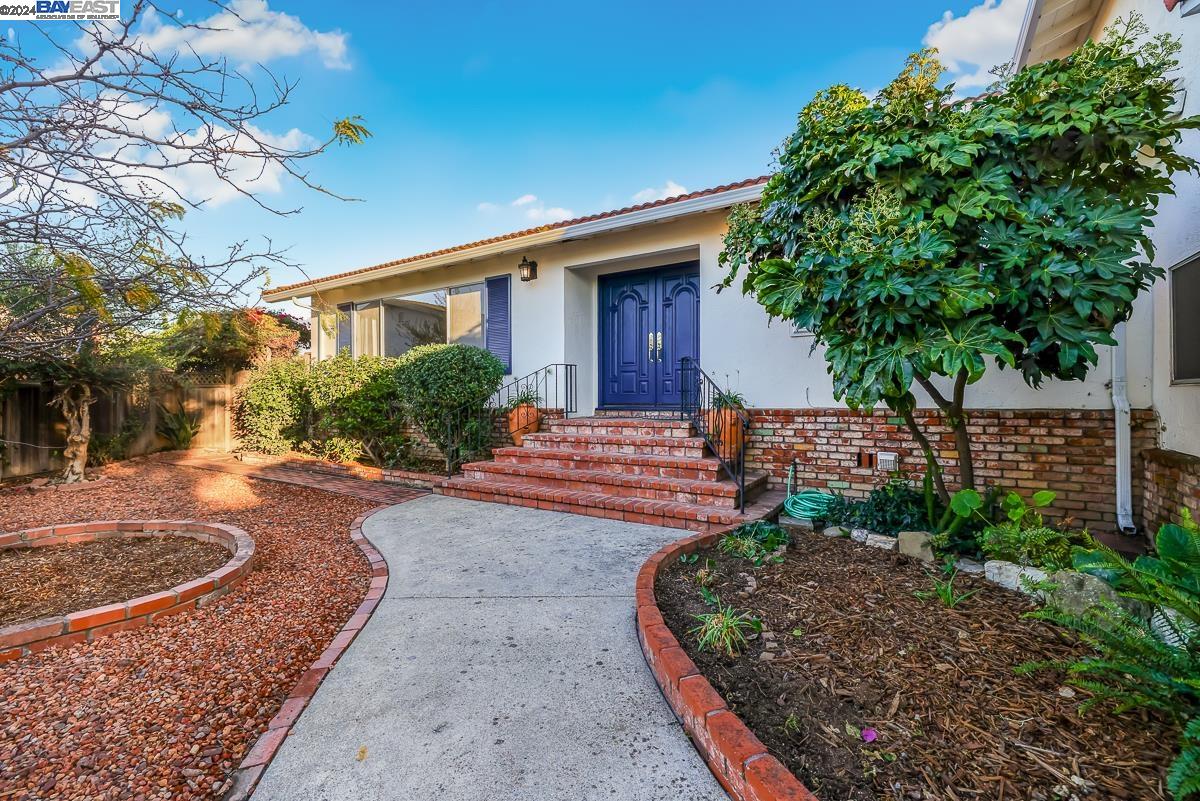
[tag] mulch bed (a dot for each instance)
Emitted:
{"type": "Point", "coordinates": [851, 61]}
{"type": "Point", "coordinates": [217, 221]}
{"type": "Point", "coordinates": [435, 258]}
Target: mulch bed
{"type": "Point", "coordinates": [854, 648]}
{"type": "Point", "coordinates": [169, 710]}
{"type": "Point", "coordinates": [45, 582]}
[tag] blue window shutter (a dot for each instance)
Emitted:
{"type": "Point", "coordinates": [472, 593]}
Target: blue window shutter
{"type": "Point", "coordinates": [498, 335]}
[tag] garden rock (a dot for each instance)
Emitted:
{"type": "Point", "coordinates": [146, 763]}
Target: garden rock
{"type": "Point", "coordinates": [1013, 576]}
{"type": "Point", "coordinates": [969, 566]}
{"type": "Point", "coordinates": [917, 544]}
{"type": "Point", "coordinates": [796, 525]}
{"type": "Point", "coordinates": [1077, 592]}
{"type": "Point", "coordinates": [834, 531]}
{"type": "Point", "coordinates": [860, 534]}
{"type": "Point", "coordinates": [881, 541]}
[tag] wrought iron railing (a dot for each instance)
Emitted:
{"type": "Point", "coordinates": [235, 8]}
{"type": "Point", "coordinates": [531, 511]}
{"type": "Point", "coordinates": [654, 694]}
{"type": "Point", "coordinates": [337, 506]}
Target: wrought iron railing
{"type": "Point", "coordinates": [472, 430]}
{"type": "Point", "coordinates": [722, 423]}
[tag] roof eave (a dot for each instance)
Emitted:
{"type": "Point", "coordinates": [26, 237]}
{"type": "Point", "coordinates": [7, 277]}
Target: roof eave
{"type": "Point", "coordinates": [530, 241]}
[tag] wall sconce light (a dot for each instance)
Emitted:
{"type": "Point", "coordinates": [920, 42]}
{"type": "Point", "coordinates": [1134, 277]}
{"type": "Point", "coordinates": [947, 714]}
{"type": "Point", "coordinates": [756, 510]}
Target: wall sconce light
{"type": "Point", "coordinates": [527, 269]}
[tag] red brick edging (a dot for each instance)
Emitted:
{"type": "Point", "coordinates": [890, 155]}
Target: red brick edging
{"type": "Point", "coordinates": [252, 767]}
{"type": "Point", "coordinates": [736, 757]}
{"type": "Point", "coordinates": [88, 624]}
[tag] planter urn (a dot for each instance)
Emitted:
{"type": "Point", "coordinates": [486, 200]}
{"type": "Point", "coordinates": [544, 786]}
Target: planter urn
{"type": "Point", "coordinates": [522, 420]}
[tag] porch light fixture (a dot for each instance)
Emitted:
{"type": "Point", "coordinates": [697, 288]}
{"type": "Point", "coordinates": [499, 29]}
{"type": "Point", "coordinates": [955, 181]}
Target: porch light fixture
{"type": "Point", "coordinates": [528, 269]}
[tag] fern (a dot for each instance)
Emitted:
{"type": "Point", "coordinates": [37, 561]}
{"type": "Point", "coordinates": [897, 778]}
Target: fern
{"type": "Point", "coordinates": [1183, 778]}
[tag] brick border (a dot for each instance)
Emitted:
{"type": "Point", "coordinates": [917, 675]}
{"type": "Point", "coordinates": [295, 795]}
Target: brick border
{"type": "Point", "coordinates": [736, 757]}
{"type": "Point", "coordinates": [86, 625]}
{"type": "Point", "coordinates": [245, 777]}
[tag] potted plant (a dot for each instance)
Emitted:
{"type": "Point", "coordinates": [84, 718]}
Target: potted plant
{"type": "Point", "coordinates": [524, 414]}
{"type": "Point", "coordinates": [724, 424]}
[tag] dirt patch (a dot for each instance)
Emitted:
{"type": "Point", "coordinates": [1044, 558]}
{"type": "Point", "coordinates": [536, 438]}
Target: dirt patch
{"type": "Point", "coordinates": [170, 709]}
{"type": "Point", "coordinates": [855, 649]}
{"type": "Point", "coordinates": [58, 580]}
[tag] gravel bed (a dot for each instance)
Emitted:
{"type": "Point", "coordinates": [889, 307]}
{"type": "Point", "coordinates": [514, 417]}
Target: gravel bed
{"type": "Point", "coordinates": [58, 580]}
{"type": "Point", "coordinates": [169, 710]}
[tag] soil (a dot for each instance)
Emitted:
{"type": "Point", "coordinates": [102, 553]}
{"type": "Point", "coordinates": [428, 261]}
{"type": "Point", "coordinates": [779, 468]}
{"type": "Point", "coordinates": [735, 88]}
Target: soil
{"type": "Point", "coordinates": [855, 649]}
{"type": "Point", "coordinates": [44, 582]}
{"type": "Point", "coordinates": [169, 710]}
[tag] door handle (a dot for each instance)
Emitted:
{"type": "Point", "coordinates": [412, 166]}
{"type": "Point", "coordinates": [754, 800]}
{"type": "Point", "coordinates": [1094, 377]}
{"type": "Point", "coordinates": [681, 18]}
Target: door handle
{"type": "Point", "coordinates": [650, 346]}
{"type": "Point", "coordinates": [660, 346]}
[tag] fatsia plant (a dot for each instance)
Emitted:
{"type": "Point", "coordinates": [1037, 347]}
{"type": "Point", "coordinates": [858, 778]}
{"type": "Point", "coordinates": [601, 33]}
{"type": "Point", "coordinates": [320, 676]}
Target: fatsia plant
{"type": "Point", "coordinates": [922, 238]}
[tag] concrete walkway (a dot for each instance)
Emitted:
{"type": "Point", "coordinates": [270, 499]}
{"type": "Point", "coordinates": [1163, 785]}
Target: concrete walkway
{"type": "Point", "coordinates": [501, 664]}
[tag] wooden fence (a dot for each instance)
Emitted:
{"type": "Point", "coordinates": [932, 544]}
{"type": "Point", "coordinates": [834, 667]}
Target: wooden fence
{"type": "Point", "coordinates": [33, 433]}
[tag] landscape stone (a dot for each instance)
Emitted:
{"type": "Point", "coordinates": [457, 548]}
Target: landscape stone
{"type": "Point", "coordinates": [917, 544]}
{"type": "Point", "coordinates": [834, 531]}
{"type": "Point", "coordinates": [859, 534]}
{"type": "Point", "coordinates": [1076, 592]}
{"type": "Point", "coordinates": [1012, 575]}
{"type": "Point", "coordinates": [796, 525]}
{"type": "Point", "coordinates": [881, 541]}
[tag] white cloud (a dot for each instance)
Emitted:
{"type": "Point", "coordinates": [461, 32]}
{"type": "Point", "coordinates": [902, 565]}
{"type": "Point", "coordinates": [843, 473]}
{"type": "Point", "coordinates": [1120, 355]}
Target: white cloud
{"type": "Point", "coordinates": [486, 207]}
{"type": "Point", "coordinates": [541, 214]}
{"type": "Point", "coordinates": [248, 31]}
{"type": "Point", "coordinates": [650, 193]}
{"type": "Point", "coordinates": [972, 44]}
{"type": "Point", "coordinates": [525, 200]}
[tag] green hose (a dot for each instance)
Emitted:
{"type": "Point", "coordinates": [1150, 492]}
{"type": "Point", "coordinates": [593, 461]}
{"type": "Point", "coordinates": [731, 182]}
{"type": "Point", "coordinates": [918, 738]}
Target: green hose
{"type": "Point", "coordinates": [809, 504]}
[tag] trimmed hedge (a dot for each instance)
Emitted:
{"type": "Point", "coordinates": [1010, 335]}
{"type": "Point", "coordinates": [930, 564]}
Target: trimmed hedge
{"type": "Point", "coordinates": [342, 408]}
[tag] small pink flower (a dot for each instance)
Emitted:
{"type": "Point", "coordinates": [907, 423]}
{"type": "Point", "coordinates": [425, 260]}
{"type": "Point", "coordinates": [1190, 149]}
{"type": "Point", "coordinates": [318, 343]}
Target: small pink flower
{"type": "Point", "coordinates": [869, 735]}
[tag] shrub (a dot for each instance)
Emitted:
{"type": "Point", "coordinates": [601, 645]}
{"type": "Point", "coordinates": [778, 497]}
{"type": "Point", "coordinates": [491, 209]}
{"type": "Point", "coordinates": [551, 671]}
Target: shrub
{"type": "Point", "coordinates": [445, 390]}
{"type": "Point", "coordinates": [271, 409]}
{"type": "Point", "coordinates": [357, 403]}
{"type": "Point", "coordinates": [894, 507]}
{"type": "Point", "coordinates": [1025, 538]}
{"type": "Point", "coordinates": [177, 427]}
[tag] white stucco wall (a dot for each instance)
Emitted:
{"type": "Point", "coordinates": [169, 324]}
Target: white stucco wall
{"type": "Point", "coordinates": [555, 319]}
{"type": "Point", "coordinates": [1177, 228]}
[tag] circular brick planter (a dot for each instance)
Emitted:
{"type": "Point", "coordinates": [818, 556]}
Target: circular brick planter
{"type": "Point", "coordinates": [88, 624]}
{"type": "Point", "coordinates": [736, 757]}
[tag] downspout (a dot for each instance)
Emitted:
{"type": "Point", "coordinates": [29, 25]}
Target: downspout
{"type": "Point", "coordinates": [1121, 410]}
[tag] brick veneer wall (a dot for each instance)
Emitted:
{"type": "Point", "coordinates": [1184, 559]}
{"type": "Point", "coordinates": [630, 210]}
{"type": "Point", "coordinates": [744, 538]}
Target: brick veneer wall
{"type": "Point", "coordinates": [1070, 451]}
{"type": "Point", "coordinates": [1170, 480]}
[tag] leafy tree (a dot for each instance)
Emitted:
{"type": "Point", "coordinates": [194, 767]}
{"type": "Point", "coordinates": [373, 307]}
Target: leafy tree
{"type": "Point", "coordinates": [922, 238]}
{"type": "Point", "coordinates": [95, 139]}
{"type": "Point", "coordinates": [233, 339]}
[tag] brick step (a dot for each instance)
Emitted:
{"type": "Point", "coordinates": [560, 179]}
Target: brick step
{"type": "Point", "coordinates": [603, 443]}
{"type": "Point", "coordinates": [633, 510]}
{"type": "Point", "coordinates": [632, 464]}
{"type": "Point", "coordinates": [705, 493]}
{"type": "Point", "coordinates": [623, 426]}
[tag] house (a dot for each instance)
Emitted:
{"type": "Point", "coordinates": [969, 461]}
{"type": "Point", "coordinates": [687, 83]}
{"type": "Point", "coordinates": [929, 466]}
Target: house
{"type": "Point", "coordinates": [625, 295]}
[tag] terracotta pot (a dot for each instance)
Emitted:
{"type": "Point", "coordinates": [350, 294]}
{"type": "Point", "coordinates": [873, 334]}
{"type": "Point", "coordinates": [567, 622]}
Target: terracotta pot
{"type": "Point", "coordinates": [725, 430]}
{"type": "Point", "coordinates": [522, 420]}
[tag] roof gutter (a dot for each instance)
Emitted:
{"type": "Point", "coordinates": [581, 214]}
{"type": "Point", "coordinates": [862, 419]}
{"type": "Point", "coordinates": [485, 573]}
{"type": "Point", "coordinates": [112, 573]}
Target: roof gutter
{"type": "Point", "coordinates": [537, 239]}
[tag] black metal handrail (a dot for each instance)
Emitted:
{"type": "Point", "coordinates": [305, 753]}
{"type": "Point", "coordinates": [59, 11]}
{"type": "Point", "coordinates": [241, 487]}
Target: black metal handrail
{"type": "Point", "coordinates": [471, 429]}
{"type": "Point", "coordinates": [723, 425]}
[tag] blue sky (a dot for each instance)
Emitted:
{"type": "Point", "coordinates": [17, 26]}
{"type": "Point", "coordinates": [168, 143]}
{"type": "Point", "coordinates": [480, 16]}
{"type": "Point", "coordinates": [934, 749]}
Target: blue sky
{"type": "Point", "coordinates": [583, 107]}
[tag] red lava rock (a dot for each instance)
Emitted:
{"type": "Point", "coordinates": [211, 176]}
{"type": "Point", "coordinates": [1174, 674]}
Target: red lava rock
{"type": "Point", "coordinates": [169, 710]}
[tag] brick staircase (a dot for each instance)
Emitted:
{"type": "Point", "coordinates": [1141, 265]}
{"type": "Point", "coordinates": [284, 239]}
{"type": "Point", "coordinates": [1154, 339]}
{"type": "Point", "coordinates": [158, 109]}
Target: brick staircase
{"type": "Point", "coordinates": [639, 469]}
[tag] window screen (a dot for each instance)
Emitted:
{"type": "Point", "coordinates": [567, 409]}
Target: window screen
{"type": "Point", "coordinates": [1185, 320]}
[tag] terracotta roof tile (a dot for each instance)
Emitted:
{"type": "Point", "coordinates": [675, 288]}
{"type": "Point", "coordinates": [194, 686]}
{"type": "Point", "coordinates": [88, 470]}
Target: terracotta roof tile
{"type": "Point", "coordinates": [518, 234]}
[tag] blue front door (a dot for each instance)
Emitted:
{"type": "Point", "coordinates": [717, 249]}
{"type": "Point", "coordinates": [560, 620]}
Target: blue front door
{"type": "Point", "coordinates": [649, 320]}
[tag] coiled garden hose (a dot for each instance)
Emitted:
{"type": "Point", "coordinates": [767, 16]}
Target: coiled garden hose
{"type": "Point", "coordinates": [809, 504]}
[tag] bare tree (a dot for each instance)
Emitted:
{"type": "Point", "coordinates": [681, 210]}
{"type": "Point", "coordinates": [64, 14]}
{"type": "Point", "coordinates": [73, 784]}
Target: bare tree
{"type": "Point", "coordinates": [98, 147]}
{"type": "Point", "coordinates": [95, 149]}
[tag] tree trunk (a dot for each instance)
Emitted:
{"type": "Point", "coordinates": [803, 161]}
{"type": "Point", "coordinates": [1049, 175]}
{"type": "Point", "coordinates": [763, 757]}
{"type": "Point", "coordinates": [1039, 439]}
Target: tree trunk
{"type": "Point", "coordinates": [952, 409]}
{"type": "Point", "coordinates": [931, 462]}
{"type": "Point", "coordinates": [76, 405]}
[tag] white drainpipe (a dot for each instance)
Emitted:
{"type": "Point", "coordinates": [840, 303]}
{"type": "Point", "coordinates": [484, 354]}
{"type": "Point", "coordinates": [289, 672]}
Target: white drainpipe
{"type": "Point", "coordinates": [1120, 402]}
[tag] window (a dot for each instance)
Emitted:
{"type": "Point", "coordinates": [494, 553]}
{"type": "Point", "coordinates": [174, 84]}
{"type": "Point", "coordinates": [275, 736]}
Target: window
{"type": "Point", "coordinates": [465, 318]}
{"type": "Point", "coordinates": [345, 326]}
{"type": "Point", "coordinates": [1185, 320]}
{"type": "Point", "coordinates": [477, 314]}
